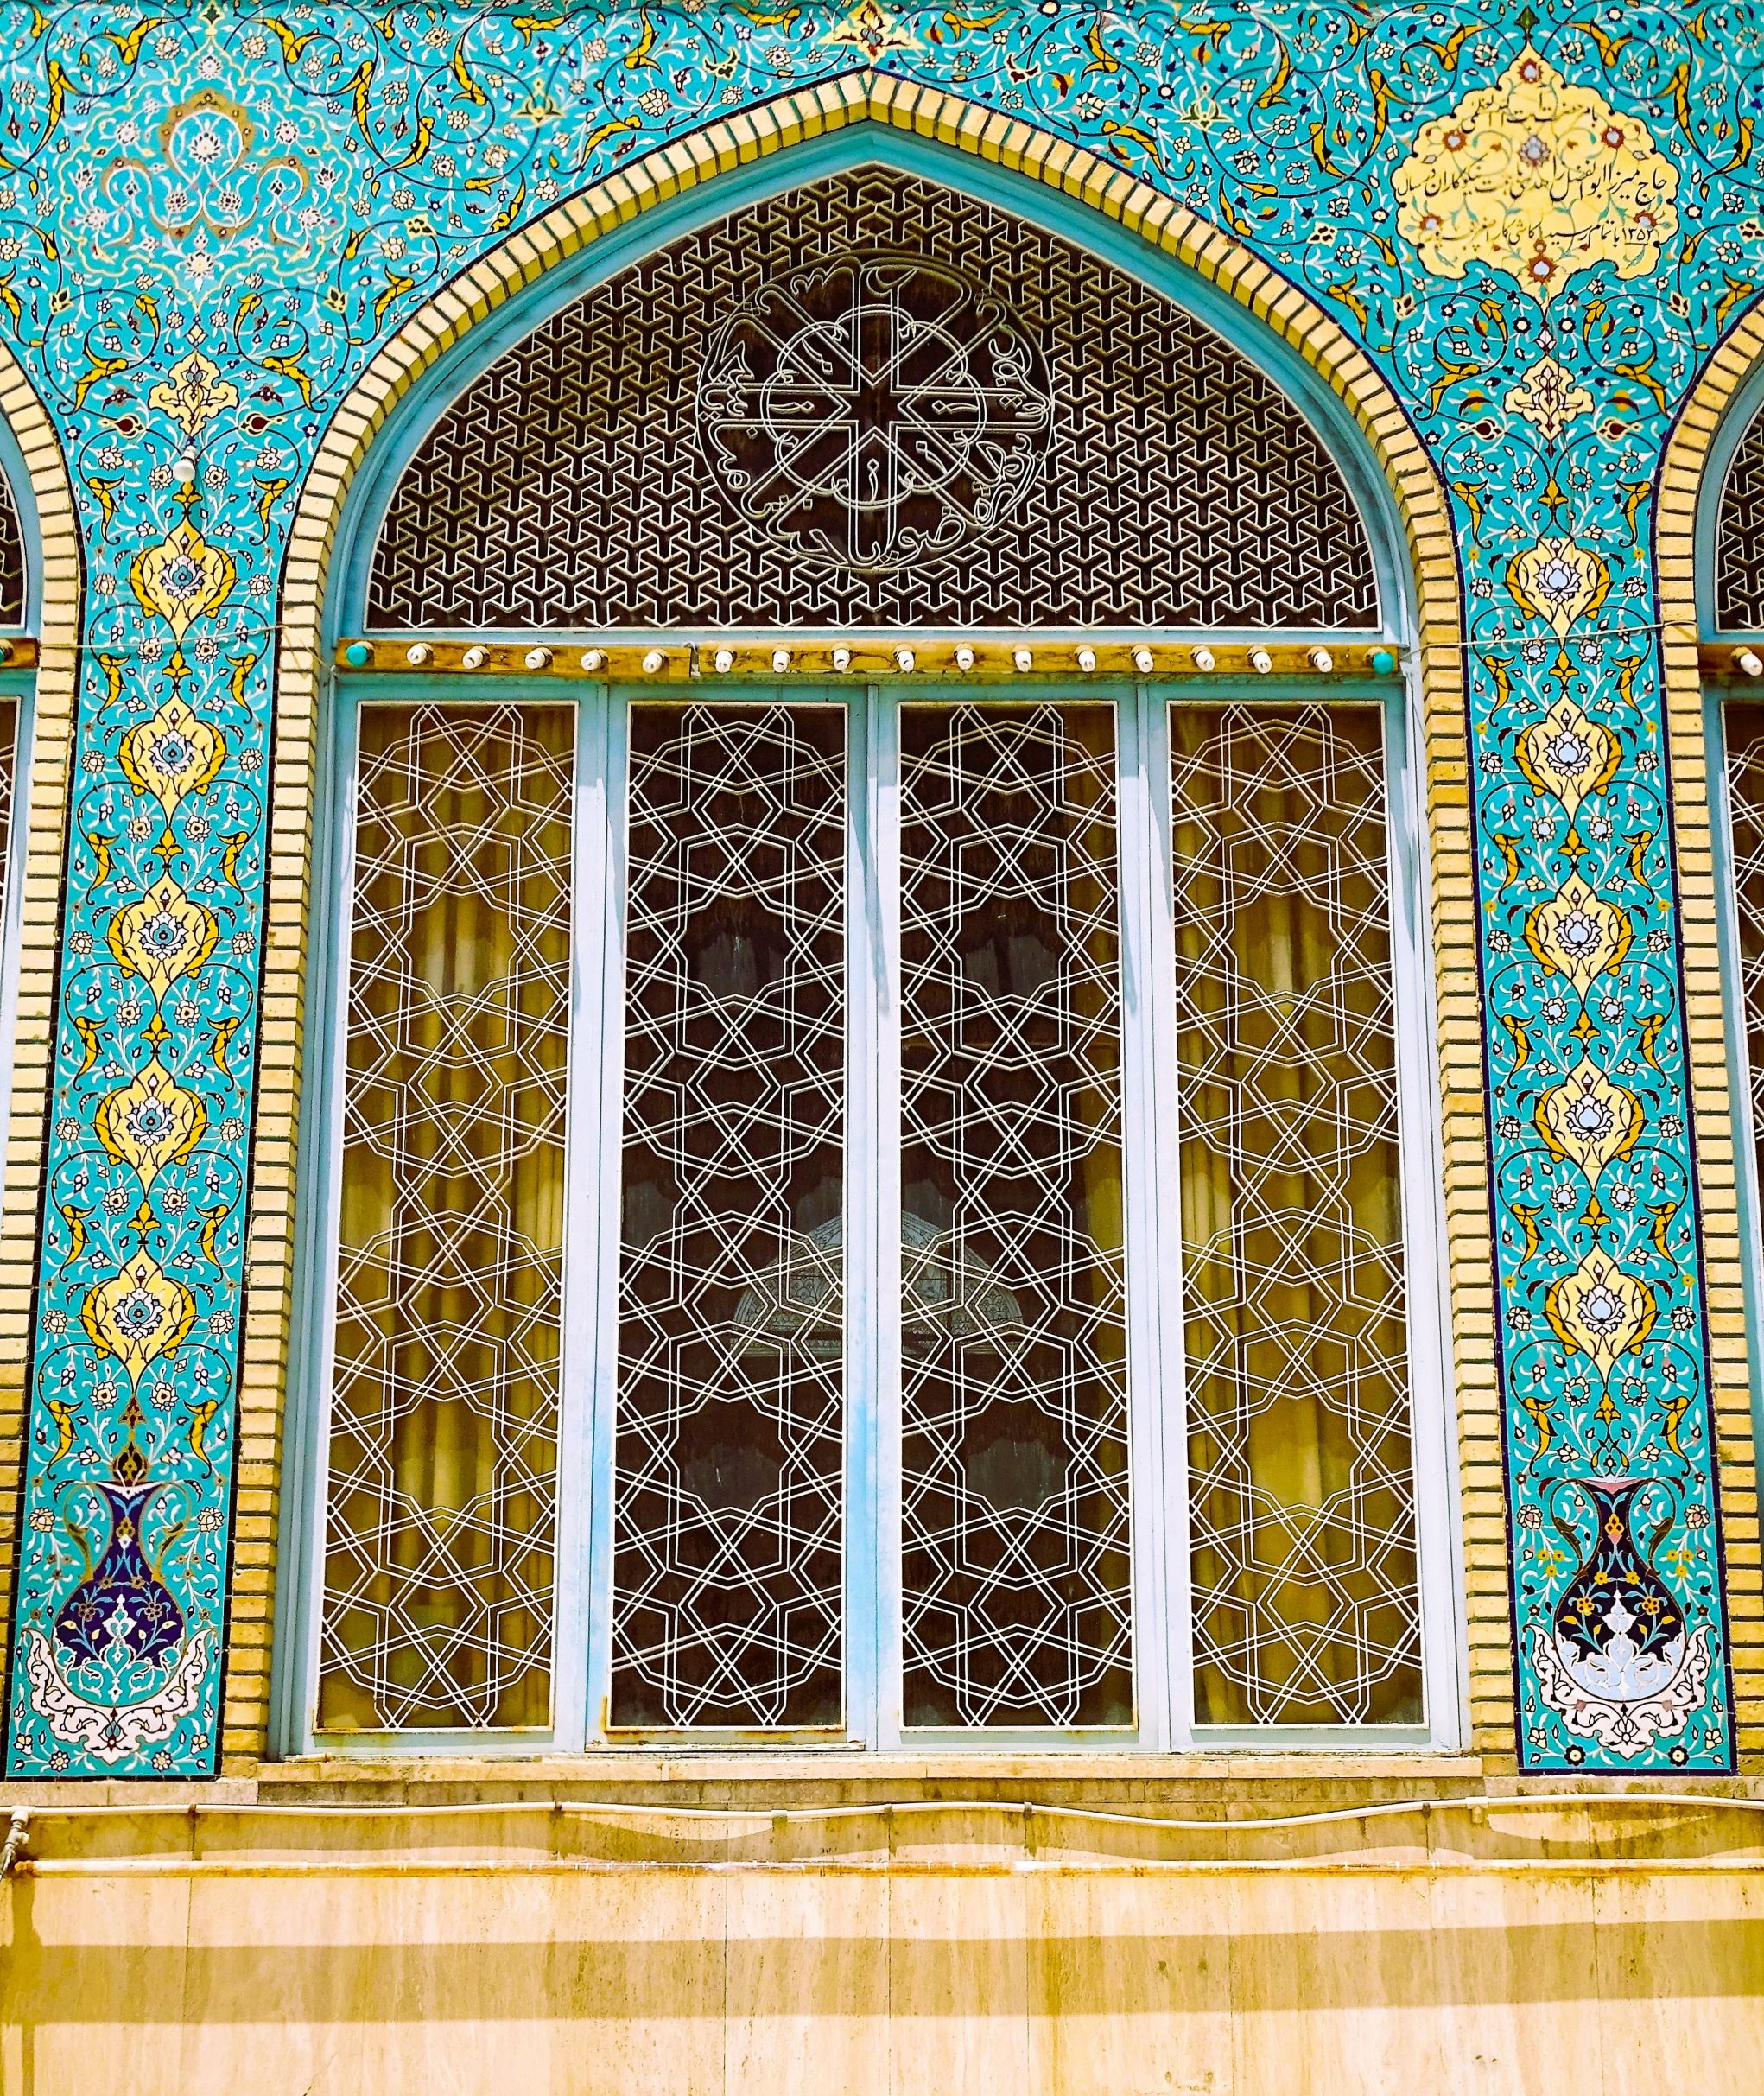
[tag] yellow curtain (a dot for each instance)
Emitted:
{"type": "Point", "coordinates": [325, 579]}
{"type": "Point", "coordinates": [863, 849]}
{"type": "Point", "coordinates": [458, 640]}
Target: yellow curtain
{"type": "Point", "coordinates": [443, 1456]}
{"type": "Point", "coordinates": [1301, 1509]}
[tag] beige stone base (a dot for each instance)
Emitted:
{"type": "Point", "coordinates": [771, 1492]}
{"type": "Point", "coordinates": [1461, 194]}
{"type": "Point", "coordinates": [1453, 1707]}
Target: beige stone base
{"type": "Point", "coordinates": [873, 1935]}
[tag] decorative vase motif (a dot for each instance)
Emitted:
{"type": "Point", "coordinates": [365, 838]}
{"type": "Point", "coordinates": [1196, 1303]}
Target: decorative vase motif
{"type": "Point", "coordinates": [122, 1599]}
{"type": "Point", "coordinates": [1620, 1636]}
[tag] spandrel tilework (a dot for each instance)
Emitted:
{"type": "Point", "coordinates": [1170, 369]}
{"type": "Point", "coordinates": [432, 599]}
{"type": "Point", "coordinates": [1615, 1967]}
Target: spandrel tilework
{"type": "Point", "coordinates": [211, 218]}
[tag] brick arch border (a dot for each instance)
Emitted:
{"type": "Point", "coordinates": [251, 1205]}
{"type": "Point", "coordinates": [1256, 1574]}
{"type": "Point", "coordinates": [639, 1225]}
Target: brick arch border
{"type": "Point", "coordinates": [44, 770]}
{"type": "Point", "coordinates": [1681, 491]}
{"type": "Point", "coordinates": [428, 335]}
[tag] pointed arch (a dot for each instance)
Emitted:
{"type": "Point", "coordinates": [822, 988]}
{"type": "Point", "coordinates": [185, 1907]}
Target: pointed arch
{"type": "Point", "coordinates": [1434, 635]}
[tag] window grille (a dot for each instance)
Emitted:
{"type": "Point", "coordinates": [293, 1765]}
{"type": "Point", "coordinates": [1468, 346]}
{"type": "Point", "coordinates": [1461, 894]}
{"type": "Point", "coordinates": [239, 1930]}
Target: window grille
{"type": "Point", "coordinates": [1301, 1471]}
{"type": "Point", "coordinates": [992, 1458]}
{"type": "Point", "coordinates": [872, 402]}
{"type": "Point", "coordinates": [1014, 1429]}
{"type": "Point", "coordinates": [728, 1580]}
{"type": "Point", "coordinates": [12, 590]}
{"type": "Point", "coordinates": [439, 1557]}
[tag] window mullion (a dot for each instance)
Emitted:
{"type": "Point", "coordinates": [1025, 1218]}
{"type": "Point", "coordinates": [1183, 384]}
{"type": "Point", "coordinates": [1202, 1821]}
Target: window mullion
{"type": "Point", "coordinates": [601, 1194]}
{"type": "Point", "coordinates": [590, 1146]}
{"type": "Point", "coordinates": [881, 948]}
{"type": "Point", "coordinates": [329, 957]}
{"type": "Point", "coordinates": [1154, 1242]}
{"type": "Point", "coordinates": [1422, 1165]}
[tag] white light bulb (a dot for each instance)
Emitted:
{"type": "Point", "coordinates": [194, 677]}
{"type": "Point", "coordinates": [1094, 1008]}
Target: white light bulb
{"type": "Point", "coordinates": [592, 660]}
{"type": "Point", "coordinates": [842, 659]}
{"type": "Point", "coordinates": [418, 653]}
{"type": "Point", "coordinates": [1322, 661]}
{"type": "Point", "coordinates": [1204, 658]}
{"type": "Point", "coordinates": [905, 661]}
{"type": "Point", "coordinates": [653, 662]}
{"type": "Point", "coordinates": [724, 660]}
{"type": "Point", "coordinates": [964, 659]}
{"type": "Point", "coordinates": [1086, 660]}
{"type": "Point", "coordinates": [1022, 659]}
{"type": "Point", "coordinates": [538, 658]}
{"type": "Point", "coordinates": [474, 658]}
{"type": "Point", "coordinates": [780, 660]}
{"type": "Point", "coordinates": [1142, 661]}
{"type": "Point", "coordinates": [1747, 661]}
{"type": "Point", "coordinates": [1260, 661]}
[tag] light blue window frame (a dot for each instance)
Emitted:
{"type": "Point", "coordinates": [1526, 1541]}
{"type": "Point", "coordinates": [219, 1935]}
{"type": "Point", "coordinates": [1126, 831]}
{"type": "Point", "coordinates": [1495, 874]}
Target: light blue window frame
{"type": "Point", "coordinates": [582, 1641]}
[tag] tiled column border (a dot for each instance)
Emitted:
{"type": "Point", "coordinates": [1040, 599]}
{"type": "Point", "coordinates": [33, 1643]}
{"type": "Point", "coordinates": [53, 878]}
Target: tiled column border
{"type": "Point", "coordinates": [41, 843]}
{"type": "Point", "coordinates": [427, 336]}
{"type": "Point", "coordinates": [1681, 481]}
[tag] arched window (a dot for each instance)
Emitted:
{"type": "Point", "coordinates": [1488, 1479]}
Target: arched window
{"type": "Point", "coordinates": [877, 1180]}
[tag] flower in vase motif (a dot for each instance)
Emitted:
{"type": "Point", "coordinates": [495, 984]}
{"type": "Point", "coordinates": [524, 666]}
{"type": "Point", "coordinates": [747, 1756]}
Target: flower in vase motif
{"type": "Point", "coordinates": [193, 393]}
{"type": "Point", "coordinates": [163, 936]}
{"type": "Point", "coordinates": [138, 1315]}
{"type": "Point", "coordinates": [1539, 178]}
{"type": "Point", "coordinates": [1600, 1311]}
{"type": "Point", "coordinates": [1558, 582]}
{"type": "Point", "coordinates": [1569, 756]}
{"type": "Point", "coordinates": [182, 579]}
{"type": "Point", "coordinates": [1577, 934]}
{"type": "Point", "coordinates": [1589, 1119]}
{"type": "Point", "coordinates": [172, 755]}
{"type": "Point", "coordinates": [151, 1123]}
{"type": "Point", "coordinates": [1547, 399]}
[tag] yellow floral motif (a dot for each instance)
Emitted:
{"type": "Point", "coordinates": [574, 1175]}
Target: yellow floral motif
{"type": "Point", "coordinates": [1558, 582]}
{"type": "Point", "coordinates": [173, 754]}
{"type": "Point", "coordinates": [193, 393]}
{"type": "Point", "coordinates": [1600, 1311]}
{"type": "Point", "coordinates": [870, 28]}
{"type": "Point", "coordinates": [1547, 399]}
{"type": "Point", "coordinates": [139, 1315]}
{"type": "Point", "coordinates": [1577, 934]}
{"type": "Point", "coordinates": [152, 1122]}
{"type": "Point", "coordinates": [1589, 1119]}
{"type": "Point", "coordinates": [1536, 178]}
{"type": "Point", "coordinates": [163, 936]}
{"type": "Point", "coordinates": [182, 579]}
{"type": "Point", "coordinates": [1569, 756]}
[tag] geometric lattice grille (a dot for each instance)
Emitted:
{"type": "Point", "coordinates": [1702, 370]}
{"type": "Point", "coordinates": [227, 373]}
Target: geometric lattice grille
{"type": "Point", "coordinates": [440, 1547]}
{"type": "Point", "coordinates": [1739, 538]}
{"type": "Point", "coordinates": [1301, 1489]}
{"type": "Point", "coordinates": [728, 1573]}
{"type": "Point", "coordinates": [1014, 1432]}
{"type": "Point", "coordinates": [1026, 437]}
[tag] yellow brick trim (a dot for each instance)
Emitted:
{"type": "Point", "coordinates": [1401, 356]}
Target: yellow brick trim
{"type": "Point", "coordinates": [1724, 1253]}
{"type": "Point", "coordinates": [43, 772]}
{"type": "Point", "coordinates": [1214, 255]}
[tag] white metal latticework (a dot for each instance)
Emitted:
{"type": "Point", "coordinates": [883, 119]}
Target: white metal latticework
{"type": "Point", "coordinates": [728, 1579]}
{"type": "Point", "coordinates": [440, 1547]}
{"type": "Point", "coordinates": [766, 423]}
{"type": "Point", "coordinates": [1014, 1429]}
{"type": "Point", "coordinates": [1301, 1486]}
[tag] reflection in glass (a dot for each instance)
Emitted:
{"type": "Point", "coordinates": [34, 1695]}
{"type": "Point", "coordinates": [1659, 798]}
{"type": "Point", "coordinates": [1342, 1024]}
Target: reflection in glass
{"type": "Point", "coordinates": [439, 1546]}
{"type": "Point", "coordinates": [1301, 1493]}
{"type": "Point", "coordinates": [1014, 1435]}
{"type": "Point", "coordinates": [728, 1567]}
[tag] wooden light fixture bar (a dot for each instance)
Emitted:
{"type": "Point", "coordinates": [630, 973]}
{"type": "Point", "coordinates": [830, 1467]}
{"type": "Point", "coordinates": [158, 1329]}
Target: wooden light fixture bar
{"type": "Point", "coordinates": [867, 660]}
